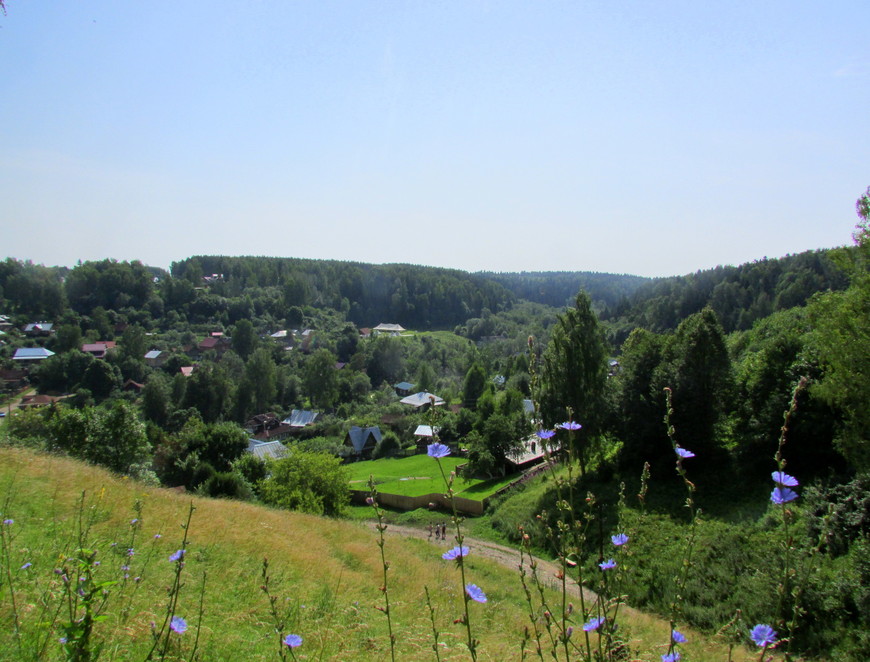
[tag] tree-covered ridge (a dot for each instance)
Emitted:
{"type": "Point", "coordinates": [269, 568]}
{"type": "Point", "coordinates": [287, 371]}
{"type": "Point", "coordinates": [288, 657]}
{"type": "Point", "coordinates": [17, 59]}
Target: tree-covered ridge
{"type": "Point", "coordinates": [31, 289]}
{"type": "Point", "coordinates": [410, 295]}
{"type": "Point", "coordinates": [740, 295]}
{"type": "Point", "coordinates": [558, 288]}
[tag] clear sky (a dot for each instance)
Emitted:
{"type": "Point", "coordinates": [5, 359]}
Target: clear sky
{"type": "Point", "coordinates": [651, 138]}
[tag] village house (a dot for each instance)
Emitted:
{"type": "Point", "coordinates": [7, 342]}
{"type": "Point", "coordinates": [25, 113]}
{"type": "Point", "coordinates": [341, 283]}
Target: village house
{"type": "Point", "coordinates": [362, 441]}
{"type": "Point", "coordinates": [422, 401]}
{"type": "Point", "coordinates": [300, 418]}
{"type": "Point", "coordinates": [31, 354]}
{"type": "Point", "coordinates": [156, 358]}
{"type": "Point", "coordinates": [37, 329]}
{"type": "Point", "coordinates": [390, 329]}
{"type": "Point", "coordinates": [267, 427]}
{"type": "Point", "coordinates": [99, 349]}
{"type": "Point", "coordinates": [217, 344]}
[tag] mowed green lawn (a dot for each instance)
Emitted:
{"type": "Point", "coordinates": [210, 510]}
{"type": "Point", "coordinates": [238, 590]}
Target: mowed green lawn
{"type": "Point", "coordinates": [419, 475]}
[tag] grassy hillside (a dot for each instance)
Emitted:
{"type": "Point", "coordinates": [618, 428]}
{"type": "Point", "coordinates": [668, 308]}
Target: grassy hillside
{"type": "Point", "coordinates": [327, 575]}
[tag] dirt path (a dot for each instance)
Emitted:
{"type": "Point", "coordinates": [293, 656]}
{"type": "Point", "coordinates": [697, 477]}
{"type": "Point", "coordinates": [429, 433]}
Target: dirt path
{"type": "Point", "coordinates": [548, 572]}
{"type": "Point", "coordinates": [10, 405]}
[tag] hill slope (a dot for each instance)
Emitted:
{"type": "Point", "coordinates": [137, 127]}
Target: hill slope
{"type": "Point", "coordinates": [326, 573]}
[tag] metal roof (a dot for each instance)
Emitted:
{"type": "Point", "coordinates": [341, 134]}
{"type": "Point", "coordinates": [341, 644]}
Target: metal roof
{"type": "Point", "coordinates": [359, 437]}
{"type": "Point", "coordinates": [264, 450]}
{"type": "Point", "coordinates": [420, 399]}
{"type": "Point", "coordinates": [32, 353]}
{"type": "Point", "coordinates": [299, 418]}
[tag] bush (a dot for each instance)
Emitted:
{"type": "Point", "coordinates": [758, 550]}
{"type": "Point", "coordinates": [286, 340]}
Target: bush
{"type": "Point", "coordinates": [227, 484]}
{"type": "Point", "coordinates": [387, 447]}
{"type": "Point", "coordinates": [314, 483]}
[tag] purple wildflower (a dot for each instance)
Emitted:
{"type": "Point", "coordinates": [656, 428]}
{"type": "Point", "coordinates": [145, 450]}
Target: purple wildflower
{"type": "Point", "coordinates": [455, 553]}
{"type": "Point", "coordinates": [131, 552]}
{"type": "Point", "coordinates": [177, 556]}
{"type": "Point", "coordinates": [437, 450]}
{"type": "Point", "coordinates": [134, 521]}
{"type": "Point", "coordinates": [293, 640]}
{"type": "Point", "coordinates": [157, 536]}
{"type": "Point", "coordinates": [475, 593]}
{"type": "Point", "coordinates": [178, 624]}
{"type": "Point", "coordinates": [609, 564]}
{"type": "Point", "coordinates": [678, 637]}
{"type": "Point", "coordinates": [593, 624]}
{"type": "Point", "coordinates": [26, 565]}
{"type": "Point", "coordinates": [571, 426]}
{"type": "Point", "coordinates": [671, 657]}
{"type": "Point", "coordinates": [8, 522]}
{"type": "Point", "coordinates": [545, 434]}
{"type": "Point", "coordinates": [781, 495]}
{"type": "Point", "coordinates": [619, 539]}
{"type": "Point", "coordinates": [784, 480]}
{"type": "Point", "coordinates": [684, 453]}
{"type": "Point", "coordinates": [763, 635]}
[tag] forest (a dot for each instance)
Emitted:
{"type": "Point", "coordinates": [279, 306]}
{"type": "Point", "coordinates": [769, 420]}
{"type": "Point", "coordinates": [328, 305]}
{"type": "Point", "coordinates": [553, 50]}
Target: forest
{"type": "Point", "coordinates": [164, 376]}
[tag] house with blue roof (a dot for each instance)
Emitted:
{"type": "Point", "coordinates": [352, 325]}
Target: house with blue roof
{"type": "Point", "coordinates": [362, 441]}
{"type": "Point", "coordinates": [32, 354]}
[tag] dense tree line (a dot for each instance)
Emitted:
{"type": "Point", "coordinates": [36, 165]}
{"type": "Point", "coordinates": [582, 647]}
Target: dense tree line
{"type": "Point", "coordinates": [740, 295]}
{"type": "Point", "coordinates": [414, 296]}
{"type": "Point", "coordinates": [559, 288]}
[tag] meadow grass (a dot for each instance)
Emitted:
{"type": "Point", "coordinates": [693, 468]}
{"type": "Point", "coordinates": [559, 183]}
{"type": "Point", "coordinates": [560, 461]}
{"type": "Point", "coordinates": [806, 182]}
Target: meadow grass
{"type": "Point", "coordinates": [326, 573]}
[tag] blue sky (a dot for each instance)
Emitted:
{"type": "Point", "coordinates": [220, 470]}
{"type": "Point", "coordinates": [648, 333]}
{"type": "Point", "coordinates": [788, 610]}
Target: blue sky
{"type": "Point", "coordinates": [652, 138]}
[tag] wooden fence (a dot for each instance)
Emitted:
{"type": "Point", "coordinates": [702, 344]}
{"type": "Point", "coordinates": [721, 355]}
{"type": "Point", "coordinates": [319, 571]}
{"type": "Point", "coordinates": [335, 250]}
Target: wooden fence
{"type": "Point", "coordinates": [433, 501]}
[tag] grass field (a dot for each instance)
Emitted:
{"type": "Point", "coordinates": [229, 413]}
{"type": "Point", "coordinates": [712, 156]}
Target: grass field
{"type": "Point", "coordinates": [419, 475]}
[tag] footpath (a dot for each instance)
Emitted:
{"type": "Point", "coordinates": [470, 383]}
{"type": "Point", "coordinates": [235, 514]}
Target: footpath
{"type": "Point", "coordinates": [548, 571]}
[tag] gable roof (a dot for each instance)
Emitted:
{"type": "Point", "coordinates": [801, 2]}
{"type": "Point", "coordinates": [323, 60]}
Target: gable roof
{"type": "Point", "coordinates": [425, 431]}
{"type": "Point", "coordinates": [267, 450]}
{"type": "Point", "coordinates": [39, 327]}
{"type": "Point", "coordinates": [392, 328]}
{"type": "Point", "coordinates": [363, 438]}
{"type": "Point", "coordinates": [299, 418]}
{"type": "Point", "coordinates": [403, 386]}
{"type": "Point", "coordinates": [421, 398]}
{"type": "Point", "coordinates": [153, 354]}
{"type": "Point", "coordinates": [100, 348]}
